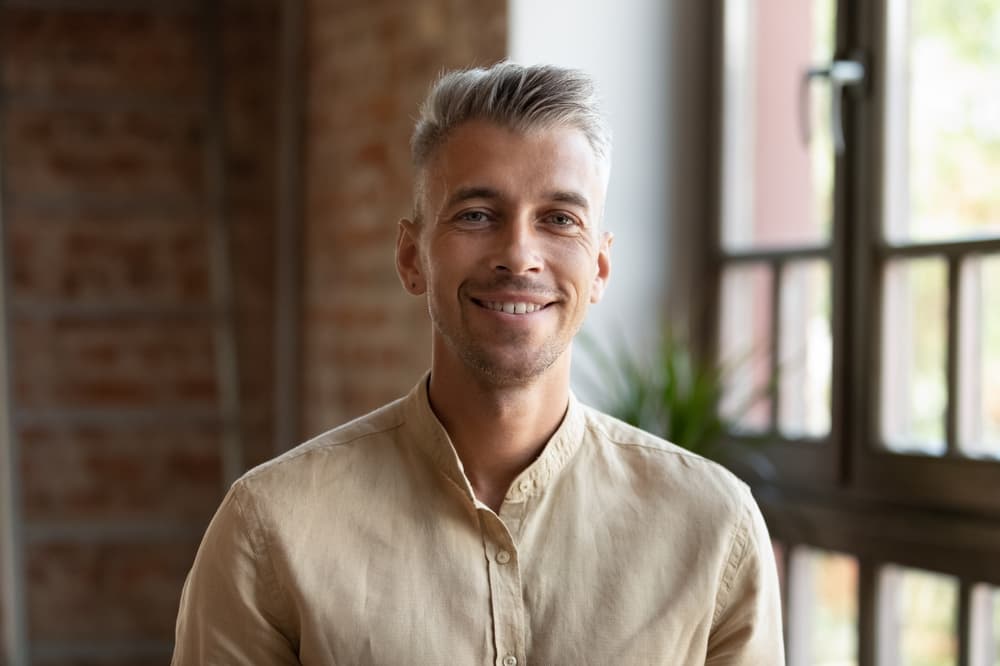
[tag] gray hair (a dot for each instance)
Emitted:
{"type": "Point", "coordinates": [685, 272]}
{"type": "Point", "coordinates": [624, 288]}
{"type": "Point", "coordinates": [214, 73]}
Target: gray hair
{"type": "Point", "coordinates": [519, 97]}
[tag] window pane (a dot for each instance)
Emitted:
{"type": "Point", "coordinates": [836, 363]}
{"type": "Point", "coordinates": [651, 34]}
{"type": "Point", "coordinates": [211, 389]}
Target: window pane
{"type": "Point", "coordinates": [806, 349]}
{"type": "Point", "coordinates": [914, 334]}
{"type": "Point", "coordinates": [745, 345]}
{"type": "Point", "coordinates": [942, 119]}
{"type": "Point", "coordinates": [979, 377]}
{"type": "Point", "coordinates": [984, 630]}
{"type": "Point", "coordinates": [778, 187]}
{"type": "Point", "coordinates": [919, 615]}
{"type": "Point", "coordinates": [996, 628]}
{"type": "Point", "coordinates": [823, 629]}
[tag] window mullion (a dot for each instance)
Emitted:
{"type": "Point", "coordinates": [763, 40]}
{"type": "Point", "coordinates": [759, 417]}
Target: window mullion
{"type": "Point", "coordinates": [952, 342]}
{"type": "Point", "coordinates": [966, 617]}
{"type": "Point", "coordinates": [777, 277]}
{"type": "Point", "coordinates": [869, 618]}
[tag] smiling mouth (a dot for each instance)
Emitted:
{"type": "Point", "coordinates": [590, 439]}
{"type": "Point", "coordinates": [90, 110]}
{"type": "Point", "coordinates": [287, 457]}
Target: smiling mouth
{"type": "Point", "coordinates": [513, 307]}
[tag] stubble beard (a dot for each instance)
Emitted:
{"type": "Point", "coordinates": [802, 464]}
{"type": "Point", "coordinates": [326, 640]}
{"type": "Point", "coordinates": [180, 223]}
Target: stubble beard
{"type": "Point", "coordinates": [510, 364]}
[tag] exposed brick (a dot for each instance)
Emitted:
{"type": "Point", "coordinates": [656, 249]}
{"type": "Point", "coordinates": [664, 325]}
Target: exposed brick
{"type": "Point", "coordinates": [116, 363]}
{"type": "Point", "coordinates": [97, 262]}
{"type": "Point", "coordinates": [136, 152]}
{"type": "Point", "coordinates": [258, 436]}
{"type": "Point", "coordinates": [167, 473]}
{"type": "Point", "coordinates": [101, 53]}
{"type": "Point", "coordinates": [252, 248]}
{"type": "Point", "coordinates": [105, 591]}
{"type": "Point", "coordinates": [249, 50]}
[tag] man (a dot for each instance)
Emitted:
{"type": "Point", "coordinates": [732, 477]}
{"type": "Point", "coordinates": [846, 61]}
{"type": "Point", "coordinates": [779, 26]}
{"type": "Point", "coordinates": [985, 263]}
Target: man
{"type": "Point", "coordinates": [489, 517]}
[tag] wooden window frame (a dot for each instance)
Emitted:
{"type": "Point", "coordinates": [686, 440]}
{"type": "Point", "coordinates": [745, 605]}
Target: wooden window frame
{"type": "Point", "coordinates": [845, 492]}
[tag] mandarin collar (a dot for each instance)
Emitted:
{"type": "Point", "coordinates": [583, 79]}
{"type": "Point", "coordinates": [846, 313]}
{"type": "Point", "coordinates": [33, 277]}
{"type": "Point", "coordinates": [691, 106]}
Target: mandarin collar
{"type": "Point", "coordinates": [433, 440]}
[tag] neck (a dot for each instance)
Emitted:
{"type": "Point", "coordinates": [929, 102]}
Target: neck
{"type": "Point", "coordinates": [497, 431]}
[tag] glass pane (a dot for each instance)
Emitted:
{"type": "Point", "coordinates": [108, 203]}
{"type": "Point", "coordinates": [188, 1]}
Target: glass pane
{"type": "Point", "coordinates": [806, 349]}
{"type": "Point", "coordinates": [979, 350]}
{"type": "Point", "coordinates": [984, 629]}
{"type": "Point", "coordinates": [919, 616]}
{"type": "Point", "coordinates": [778, 156]}
{"type": "Point", "coordinates": [942, 122]}
{"type": "Point", "coordinates": [914, 335]}
{"type": "Point", "coordinates": [823, 629]}
{"type": "Point", "coordinates": [996, 628]}
{"type": "Point", "coordinates": [745, 346]}
{"type": "Point", "coordinates": [995, 643]}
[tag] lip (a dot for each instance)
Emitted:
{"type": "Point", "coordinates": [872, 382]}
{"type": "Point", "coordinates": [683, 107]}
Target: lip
{"type": "Point", "coordinates": [541, 302]}
{"type": "Point", "coordinates": [532, 298]}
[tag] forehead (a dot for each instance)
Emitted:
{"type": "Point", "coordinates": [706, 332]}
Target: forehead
{"type": "Point", "coordinates": [484, 154]}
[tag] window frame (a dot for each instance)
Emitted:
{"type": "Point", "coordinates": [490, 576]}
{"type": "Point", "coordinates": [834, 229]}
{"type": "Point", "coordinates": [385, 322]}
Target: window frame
{"type": "Point", "coordinates": [851, 457]}
{"type": "Point", "coordinates": [846, 492]}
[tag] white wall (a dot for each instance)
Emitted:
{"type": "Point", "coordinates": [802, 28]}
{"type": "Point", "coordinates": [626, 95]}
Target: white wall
{"type": "Point", "coordinates": [623, 45]}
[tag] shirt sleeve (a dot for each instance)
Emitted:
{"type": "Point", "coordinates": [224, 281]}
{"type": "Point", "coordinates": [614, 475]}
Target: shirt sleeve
{"type": "Point", "coordinates": [746, 630]}
{"type": "Point", "coordinates": [231, 609]}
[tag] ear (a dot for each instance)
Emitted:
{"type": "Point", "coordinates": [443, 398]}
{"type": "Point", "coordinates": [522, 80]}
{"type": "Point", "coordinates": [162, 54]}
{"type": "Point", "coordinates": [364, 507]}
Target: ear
{"type": "Point", "coordinates": [603, 267]}
{"type": "Point", "coordinates": [408, 258]}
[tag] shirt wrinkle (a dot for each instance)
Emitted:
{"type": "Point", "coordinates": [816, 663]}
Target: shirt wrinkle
{"type": "Point", "coordinates": [318, 445]}
{"type": "Point", "coordinates": [737, 552]}
{"type": "Point", "coordinates": [255, 534]}
{"type": "Point", "coordinates": [661, 447]}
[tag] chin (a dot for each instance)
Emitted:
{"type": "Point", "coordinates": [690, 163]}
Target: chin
{"type": "Point", "coordinates": [508, 372]}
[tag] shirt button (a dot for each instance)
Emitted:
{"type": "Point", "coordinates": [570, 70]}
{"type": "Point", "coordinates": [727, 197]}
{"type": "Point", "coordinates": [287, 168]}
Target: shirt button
{"type": "Point", "coordinates": [503, 557]}
{"type": "Point", "coordinates": [525, 486]}
{"type": "Point", "coordinates": [510, 660]}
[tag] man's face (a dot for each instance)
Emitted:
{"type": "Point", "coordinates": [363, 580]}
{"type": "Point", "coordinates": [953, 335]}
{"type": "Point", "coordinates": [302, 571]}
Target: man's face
{"type": "Point", "coordinates": [508, 249]}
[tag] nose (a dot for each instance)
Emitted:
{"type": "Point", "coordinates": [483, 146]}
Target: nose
{"type": "Point", "coordinates": [518, 248]}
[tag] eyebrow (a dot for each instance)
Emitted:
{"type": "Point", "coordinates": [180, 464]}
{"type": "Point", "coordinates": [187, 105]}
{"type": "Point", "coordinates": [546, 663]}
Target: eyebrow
{"type": "Point", "coordinates": [562, 196]}
{"type": "Point", "coordinates": [574, 198]}
{"type": "Point", "coordinates": [467, 193]}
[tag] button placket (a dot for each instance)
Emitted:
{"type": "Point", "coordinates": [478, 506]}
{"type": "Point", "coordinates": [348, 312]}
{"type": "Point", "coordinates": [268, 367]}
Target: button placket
{"type": "Point", "coordinates": [505, 590]}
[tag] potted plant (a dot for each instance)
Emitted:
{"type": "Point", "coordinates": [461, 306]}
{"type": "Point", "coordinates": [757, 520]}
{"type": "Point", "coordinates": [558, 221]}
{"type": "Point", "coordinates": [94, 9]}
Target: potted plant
{"type": "Point", "coordinates": [675, 394]}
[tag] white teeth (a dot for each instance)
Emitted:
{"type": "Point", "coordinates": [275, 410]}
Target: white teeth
{"type": "Point", "coordinates": [512, 308]}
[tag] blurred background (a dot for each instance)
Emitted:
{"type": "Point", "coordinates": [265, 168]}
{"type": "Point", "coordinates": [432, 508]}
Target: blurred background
{"type": "Point", "coordinates": [198, 203]}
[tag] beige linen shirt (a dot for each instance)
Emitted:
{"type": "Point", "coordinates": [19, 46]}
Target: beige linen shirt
{"type": "Point", "coordinates": [367, 545]}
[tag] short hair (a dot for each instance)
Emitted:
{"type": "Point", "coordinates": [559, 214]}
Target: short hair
{"type": "Point", "coordinates": [519, 97]}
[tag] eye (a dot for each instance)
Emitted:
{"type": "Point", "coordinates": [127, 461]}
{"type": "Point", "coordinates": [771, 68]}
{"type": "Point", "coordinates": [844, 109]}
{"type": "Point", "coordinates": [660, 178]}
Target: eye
{"type": "Point", "coordinates": [473, 216]}
{"type": "Point", "coordinates": [562, 220]}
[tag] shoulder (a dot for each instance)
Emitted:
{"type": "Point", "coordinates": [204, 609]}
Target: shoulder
{"type": "Point", "coordinates": [664, 467]}
{"type": "Point", "coordinates": [346, 448]}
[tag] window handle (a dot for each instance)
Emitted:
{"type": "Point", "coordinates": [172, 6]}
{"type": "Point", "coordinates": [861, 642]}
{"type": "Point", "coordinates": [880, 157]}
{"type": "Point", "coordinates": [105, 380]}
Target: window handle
{"type": "Point", "coordinates": [841, 74]}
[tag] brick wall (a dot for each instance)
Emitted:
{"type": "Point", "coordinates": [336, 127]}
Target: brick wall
{"type": "Point", "coordinates": [108, 210]}
{"type": "Point", "coordinates": [109, 136]}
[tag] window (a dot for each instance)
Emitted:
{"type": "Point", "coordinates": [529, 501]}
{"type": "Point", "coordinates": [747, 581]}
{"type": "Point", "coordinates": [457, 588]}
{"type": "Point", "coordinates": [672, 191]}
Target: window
{"type": "Point", "coordinates": [823, 608]}
{"type": "Point", "coordinates": [857, 260]}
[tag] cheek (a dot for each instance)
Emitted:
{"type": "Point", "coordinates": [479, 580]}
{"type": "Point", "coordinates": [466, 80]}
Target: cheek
{"type": "Point", "coordinates": [580, 265]}
{"type": "Point", "coordinates": [442, 277]}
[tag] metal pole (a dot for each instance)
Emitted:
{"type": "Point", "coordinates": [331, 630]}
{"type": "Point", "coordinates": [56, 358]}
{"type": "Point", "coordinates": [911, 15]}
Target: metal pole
{"type": "Point", "coordinates": [12, 575]}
